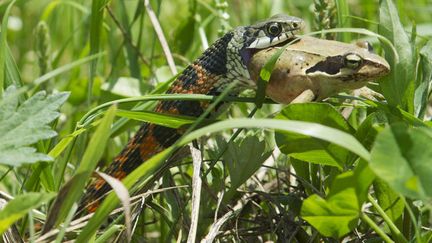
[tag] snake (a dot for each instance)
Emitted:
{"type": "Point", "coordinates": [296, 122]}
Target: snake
{"type": "Point", "coordinates": [222, 63]}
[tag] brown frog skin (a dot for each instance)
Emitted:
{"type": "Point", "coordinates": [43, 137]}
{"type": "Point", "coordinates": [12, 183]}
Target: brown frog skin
{"type": "Point", "coordinates": [321, 67]}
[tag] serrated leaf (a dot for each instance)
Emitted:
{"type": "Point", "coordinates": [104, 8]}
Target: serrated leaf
{"type": "Point", "coordinates": [19, 206]}
{"type": "Point", "coordinates": [26, 124]}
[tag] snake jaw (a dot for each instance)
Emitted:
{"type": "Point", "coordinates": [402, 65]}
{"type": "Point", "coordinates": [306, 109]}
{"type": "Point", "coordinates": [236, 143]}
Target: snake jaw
{"type": "Point", "coordinates": [273, 31]}
{"type": "Point", "coordinates": [247, 40]}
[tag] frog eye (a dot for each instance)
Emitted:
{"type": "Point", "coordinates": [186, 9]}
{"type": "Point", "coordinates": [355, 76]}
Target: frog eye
{"type": "Point", "coordinates": [274, 29]}
{"type": "Point", "coordinates": [353, 61]}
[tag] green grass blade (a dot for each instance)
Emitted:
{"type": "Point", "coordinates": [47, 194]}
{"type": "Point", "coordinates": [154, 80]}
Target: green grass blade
{"type": "Point", "coordinates": [398, 87]}
{"type": "Point", "coordinates": [167, 120]}
{"type": "Point", "coordinates": [89, 161]}
{"type": "Point", "coordinates": [3, 46]}
{"type": "Point", "coordinates": [141, 173]}
{"type": "Point", "coordinates": [325, 133]}
{"type": "Point", "coordinates": [96, 21]}
{"type": "Point", "coordinates": [65, 68]}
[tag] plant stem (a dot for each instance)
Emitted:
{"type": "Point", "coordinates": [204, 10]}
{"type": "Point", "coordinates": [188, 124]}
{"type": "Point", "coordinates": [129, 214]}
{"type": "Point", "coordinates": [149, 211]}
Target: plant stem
{"type": "Point", "coordinates": [376, 228]}
{"type": "Point", "coordinates": [386, 218]}
{"type": "Point", "coordinates": [413, 219]}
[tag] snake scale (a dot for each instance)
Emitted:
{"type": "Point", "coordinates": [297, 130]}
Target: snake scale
{"type": "Point", "coordinates": [223, 62]}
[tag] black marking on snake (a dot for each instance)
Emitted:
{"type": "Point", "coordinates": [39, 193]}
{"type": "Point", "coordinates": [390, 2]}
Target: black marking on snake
{"type": "Point", "coordinates": [165, 136]}
{"type": "Point", "coordinates": [190, 108]}
{"type": "Point", "coordinates": [214, 59]}
{"type": "Point", "coordinates": [188, 78]}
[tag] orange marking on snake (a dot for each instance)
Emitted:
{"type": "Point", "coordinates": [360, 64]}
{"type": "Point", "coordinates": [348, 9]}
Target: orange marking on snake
{"type": "Point", "coordinates": [119, 174]}
{"type": "Point", "coordinates": [149, 145]}
{"type": "Point", "coordinates": [99, 183]}
{"type": "Point", "coordinates": [93, 206]}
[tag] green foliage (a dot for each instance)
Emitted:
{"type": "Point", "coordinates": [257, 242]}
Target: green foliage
{"type": "Point", "coordinates": [336, 215]}
{"type": "Point", "coordinates": [74, 187]}
{"type": "Point", "coordinates": [347, 168]}
{"type": "Point", "coordinates": [20, 206]}
{"type": "Point", "coordinates": [314, 150]}
{"type": "Point", "coordinates": [26, 124]}
{"type": "Point", "coordinates": [408, 167]}
{"type": "Point", "coordinates": [398, 87]}
{"type": "Point", "coordinates": [243, 158]}
{"type": "Point", "coordinates": [157, 118]}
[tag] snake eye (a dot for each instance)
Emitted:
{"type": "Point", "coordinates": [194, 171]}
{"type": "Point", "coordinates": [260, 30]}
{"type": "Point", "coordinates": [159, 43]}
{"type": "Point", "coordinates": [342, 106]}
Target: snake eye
{"type": "Point", "coordinates": [353, 61]}
{"type": "Point", "coordinates": [274, 29]}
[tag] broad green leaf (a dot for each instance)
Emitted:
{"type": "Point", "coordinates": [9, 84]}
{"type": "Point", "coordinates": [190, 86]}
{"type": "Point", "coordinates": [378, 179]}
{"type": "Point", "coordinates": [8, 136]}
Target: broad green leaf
{"type": "Point", "coordinates": [364, 177]}
{"type": "Point", "coordinates": [20, 206]}
{"type": "Point", "coordinates": [336, 215]}
{"type": "Point", "coordinates": [91, 157]}
{"type": "Point", "coordinates": [310, 149]}
{"type": "Point", "coordinates": [398, 87]}
{"type": "Point", "coordinates": [389, 200]}
{"type": "Point", "coordinates": [26, 124]}
{"type": "Point", "coordinates": [146, 169]}
{"type": "Point", "coordinates": [402, 158]}
{"type": "Point", "coordinates": [243, 158]}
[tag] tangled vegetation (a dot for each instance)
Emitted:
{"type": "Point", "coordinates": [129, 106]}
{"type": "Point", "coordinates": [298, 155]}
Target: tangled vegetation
{"type": "Point", "coordinates": [78, 77]}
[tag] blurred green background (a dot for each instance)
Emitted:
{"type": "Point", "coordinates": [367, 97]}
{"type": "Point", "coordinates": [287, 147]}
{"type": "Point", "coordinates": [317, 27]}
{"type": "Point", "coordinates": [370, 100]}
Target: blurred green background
{"type": "Point", "coordinates": [187, 24]}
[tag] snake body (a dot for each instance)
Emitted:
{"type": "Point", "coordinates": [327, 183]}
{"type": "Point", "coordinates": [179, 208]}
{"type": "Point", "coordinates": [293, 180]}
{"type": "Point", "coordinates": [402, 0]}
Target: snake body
{"type": "Point", "coordinates": [224, 61]}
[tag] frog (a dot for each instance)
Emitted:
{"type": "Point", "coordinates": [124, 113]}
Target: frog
{"type": "Point", "coordinates": [312, 69]}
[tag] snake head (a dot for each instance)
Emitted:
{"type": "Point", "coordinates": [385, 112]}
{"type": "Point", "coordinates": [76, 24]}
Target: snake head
{"type": "Point", "coordinates": [272, 31]}
{"type": "Point", "coordinates": [266, 33]}
{"type": "Point", "coordinates": [244, 41]}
